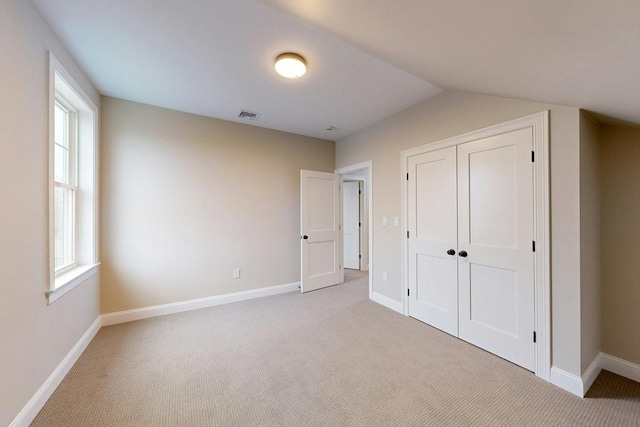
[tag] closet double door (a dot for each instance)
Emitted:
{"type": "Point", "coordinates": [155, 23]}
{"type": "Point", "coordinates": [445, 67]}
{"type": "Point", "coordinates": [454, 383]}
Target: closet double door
{"type": "Point", "coordinates": [470, 243]}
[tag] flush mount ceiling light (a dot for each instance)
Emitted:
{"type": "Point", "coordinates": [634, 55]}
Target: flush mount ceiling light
{"type": "Point", "coordinates": [291, 65]}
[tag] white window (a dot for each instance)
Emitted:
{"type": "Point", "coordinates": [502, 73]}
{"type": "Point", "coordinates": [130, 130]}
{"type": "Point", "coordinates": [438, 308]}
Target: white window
{"type": "Point", "coordinates": [64, 182]}
{"type": "Point", "coordinates": [72, 188]}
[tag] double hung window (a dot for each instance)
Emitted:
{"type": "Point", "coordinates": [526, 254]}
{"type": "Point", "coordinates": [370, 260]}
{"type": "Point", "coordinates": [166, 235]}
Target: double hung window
{"type": "Point", "coordinates": [65, 184]}
{"type": "Point", "coordinates": [73, 119]}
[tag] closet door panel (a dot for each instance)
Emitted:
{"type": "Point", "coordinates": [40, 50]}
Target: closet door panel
{"type": "Point", "coordinates": [495, 226]}
{"type": "Point", "coordinates": [432, 225]}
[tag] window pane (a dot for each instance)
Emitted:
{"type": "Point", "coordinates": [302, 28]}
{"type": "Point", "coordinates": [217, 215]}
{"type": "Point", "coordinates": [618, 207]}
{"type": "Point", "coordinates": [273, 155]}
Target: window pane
{"type": "Point", "coordinates": [60, 126]}
{"type": "Point", "coordinates": [63, 218]}
{"type": "Point", "coordinates": [60, 164]}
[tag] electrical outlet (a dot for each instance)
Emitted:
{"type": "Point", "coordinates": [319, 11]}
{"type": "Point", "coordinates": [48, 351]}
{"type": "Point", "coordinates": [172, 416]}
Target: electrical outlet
{"type": "Point", "coordinates": [385, 277]}
{"type": "Point", "coordinates": [236, 273]}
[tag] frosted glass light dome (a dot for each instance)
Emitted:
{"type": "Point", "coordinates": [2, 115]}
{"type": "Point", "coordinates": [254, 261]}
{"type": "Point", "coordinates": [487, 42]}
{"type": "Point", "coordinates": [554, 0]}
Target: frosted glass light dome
{"type": "Point", "coordinates": [291, 65]}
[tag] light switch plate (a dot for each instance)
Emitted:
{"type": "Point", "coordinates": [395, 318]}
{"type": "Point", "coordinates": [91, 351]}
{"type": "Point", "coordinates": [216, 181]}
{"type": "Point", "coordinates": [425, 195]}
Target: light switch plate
{"type": "Point", "coordinates": [384, 220]}
{"type": "Point", "coordinates": [396, 221]}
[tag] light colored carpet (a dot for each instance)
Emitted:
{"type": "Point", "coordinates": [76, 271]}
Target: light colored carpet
{"type": "Point", "coordinates": [326, 358]}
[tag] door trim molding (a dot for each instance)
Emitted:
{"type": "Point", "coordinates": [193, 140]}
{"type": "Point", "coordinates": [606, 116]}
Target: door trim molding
{"type": "Point", "coordinates": [539, 123]}
{"type": "Point", "coordinates": [368, 165]}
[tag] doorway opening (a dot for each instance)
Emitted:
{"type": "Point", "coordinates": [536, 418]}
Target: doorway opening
{"type": "Point", "coordinates": [355, 241]}
{"type": "Point", "coordinates": [356, 212]}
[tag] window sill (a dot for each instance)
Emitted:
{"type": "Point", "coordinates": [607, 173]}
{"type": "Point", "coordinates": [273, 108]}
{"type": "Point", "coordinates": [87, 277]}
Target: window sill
{"type": "Point", "coordinates": [70, 279]}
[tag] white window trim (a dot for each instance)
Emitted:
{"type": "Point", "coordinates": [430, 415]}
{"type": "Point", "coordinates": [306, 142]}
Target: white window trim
{"type": "Point", "coordinates": [68, 278]}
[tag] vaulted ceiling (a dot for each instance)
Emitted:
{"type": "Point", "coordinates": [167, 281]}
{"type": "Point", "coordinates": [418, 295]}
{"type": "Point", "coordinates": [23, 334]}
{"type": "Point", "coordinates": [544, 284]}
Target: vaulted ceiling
{"type": "Point", "coordinates": [366, 59]}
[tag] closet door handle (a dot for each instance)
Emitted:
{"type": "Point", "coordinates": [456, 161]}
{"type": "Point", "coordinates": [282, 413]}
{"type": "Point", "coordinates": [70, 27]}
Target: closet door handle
{"type": "Point", "coordinates": [305, 237]}
{"type": "Point", "coordinates": [463, 254]}
{"type": "Point", "coordinates": [451, 252]}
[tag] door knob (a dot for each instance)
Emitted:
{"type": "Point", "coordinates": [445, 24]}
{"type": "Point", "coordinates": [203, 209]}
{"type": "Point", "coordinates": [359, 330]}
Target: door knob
{"type": "Point", "coordinates": [451, 252]}
{"type": "Point", "coordinates": [463, 254]}
{"type": "Point", "coordinates": [305, 237]}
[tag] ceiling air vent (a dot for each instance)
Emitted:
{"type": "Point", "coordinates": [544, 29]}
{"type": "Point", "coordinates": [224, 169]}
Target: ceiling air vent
{"type": "Point", "coordinates": [248, 115]}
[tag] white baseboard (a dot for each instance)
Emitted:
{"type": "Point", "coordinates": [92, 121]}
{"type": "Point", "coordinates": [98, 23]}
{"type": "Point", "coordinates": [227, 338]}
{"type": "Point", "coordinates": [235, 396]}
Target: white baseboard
{"type": "Point", "coordinates": [567, 381]}
{"type": "Point", "coordinates": [620, 367]}
{"type": "Point", "coordinates": [591, 373]}
{"type": "Point", "coordinates": [580, 386]}
{"type": "Point", "coordinates": [31, 409]}
{"type": "Point", "coordinates": [194, 304]}
{"type": "Point", "coordinates": [387, 302]}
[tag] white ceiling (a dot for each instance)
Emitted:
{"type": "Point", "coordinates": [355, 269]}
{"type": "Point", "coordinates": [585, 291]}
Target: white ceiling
{"type": "Point", "coordinates": [215, 58]}
{"type": "Point", "coordinates": [367, 59]}
{"type": "Point", "coordinates": [584, 54]}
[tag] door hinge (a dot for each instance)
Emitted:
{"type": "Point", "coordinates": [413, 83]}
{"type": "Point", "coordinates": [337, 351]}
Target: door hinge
{"type": "Point", "coordinates": [534, 336]}
{"type": "Point", "coordinates": [533, 156]}
{"type": "Point", "coordinates": [407, 177]}
{"type": "Point", "coordinates": [407, 234]}
{"type": "Point", "coordinates": [408, 293]}
{"type": "Point", "coordinates": [533, 244]}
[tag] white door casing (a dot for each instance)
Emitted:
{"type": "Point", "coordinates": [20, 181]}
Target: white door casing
{"type": "Point", "coordinates": [351, 224]}
{"type": "Point", "coordinates": [495, 230]}
{"type": "Point", "coordinates": [432, 220]}
{"type": "Point", "coordinates": [319, 229]}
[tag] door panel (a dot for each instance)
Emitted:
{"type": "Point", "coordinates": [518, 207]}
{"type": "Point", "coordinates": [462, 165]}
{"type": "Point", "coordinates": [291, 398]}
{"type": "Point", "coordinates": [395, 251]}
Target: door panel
{"type": "Point", "coordinates": [496, 283]}
{"type": "Point", "coordinates": [492, 190]}
{"type": "Point", "coordinates": [432, 223]}
{"type": "Point", "coordinates": [432, 226]}
{"type": "Point", "coordinates": [321, 258]}
{"type": "Point", "coordinates": [351, 224]}
{"type": "Point", "coordinates": [494, 287]}
{"type": "Point", "coordinates": [321, 214]}
{"type": "Point", "coordinates": [319, 222]}
{"type": "Point", "coordinates": [431, 274]}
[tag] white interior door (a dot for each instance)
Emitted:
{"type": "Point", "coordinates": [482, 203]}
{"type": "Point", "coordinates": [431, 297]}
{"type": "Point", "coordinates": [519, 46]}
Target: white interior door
{"type": "Point", "coordinates": [432, 216]}
{"type": "Point", "coordinates": [351, 224]}
{"type": "Point", "coordinates": [496, 259]}
{"type": "Point", "coordinates": [319, 229]}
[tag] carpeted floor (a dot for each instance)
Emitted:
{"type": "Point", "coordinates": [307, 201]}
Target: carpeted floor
{"type": "Point", "coordinates": [326, 358]}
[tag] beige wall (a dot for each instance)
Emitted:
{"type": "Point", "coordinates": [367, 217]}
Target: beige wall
{"type": "Point", "coordinates": [620, 197]}
{"type": "Point", "coordinates": [34, 337]}
{"type": "Point", "coordinates": [589, 241]}
{"type": "Point", "coordinates": [186, 199]}
{"type": "Point", "coordinates": [454, 113]}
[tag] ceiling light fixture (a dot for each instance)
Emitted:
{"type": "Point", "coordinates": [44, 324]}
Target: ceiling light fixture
{"type": "Point", "coordinates": [291, 65]}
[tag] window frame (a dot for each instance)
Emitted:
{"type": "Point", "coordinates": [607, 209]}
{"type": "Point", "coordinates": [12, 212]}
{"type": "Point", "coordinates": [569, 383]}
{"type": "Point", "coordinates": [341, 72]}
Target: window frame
{"type": "Point", "coordinates": [72, 176]}
{"type": "Point", "coordinates": [82, 177]}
